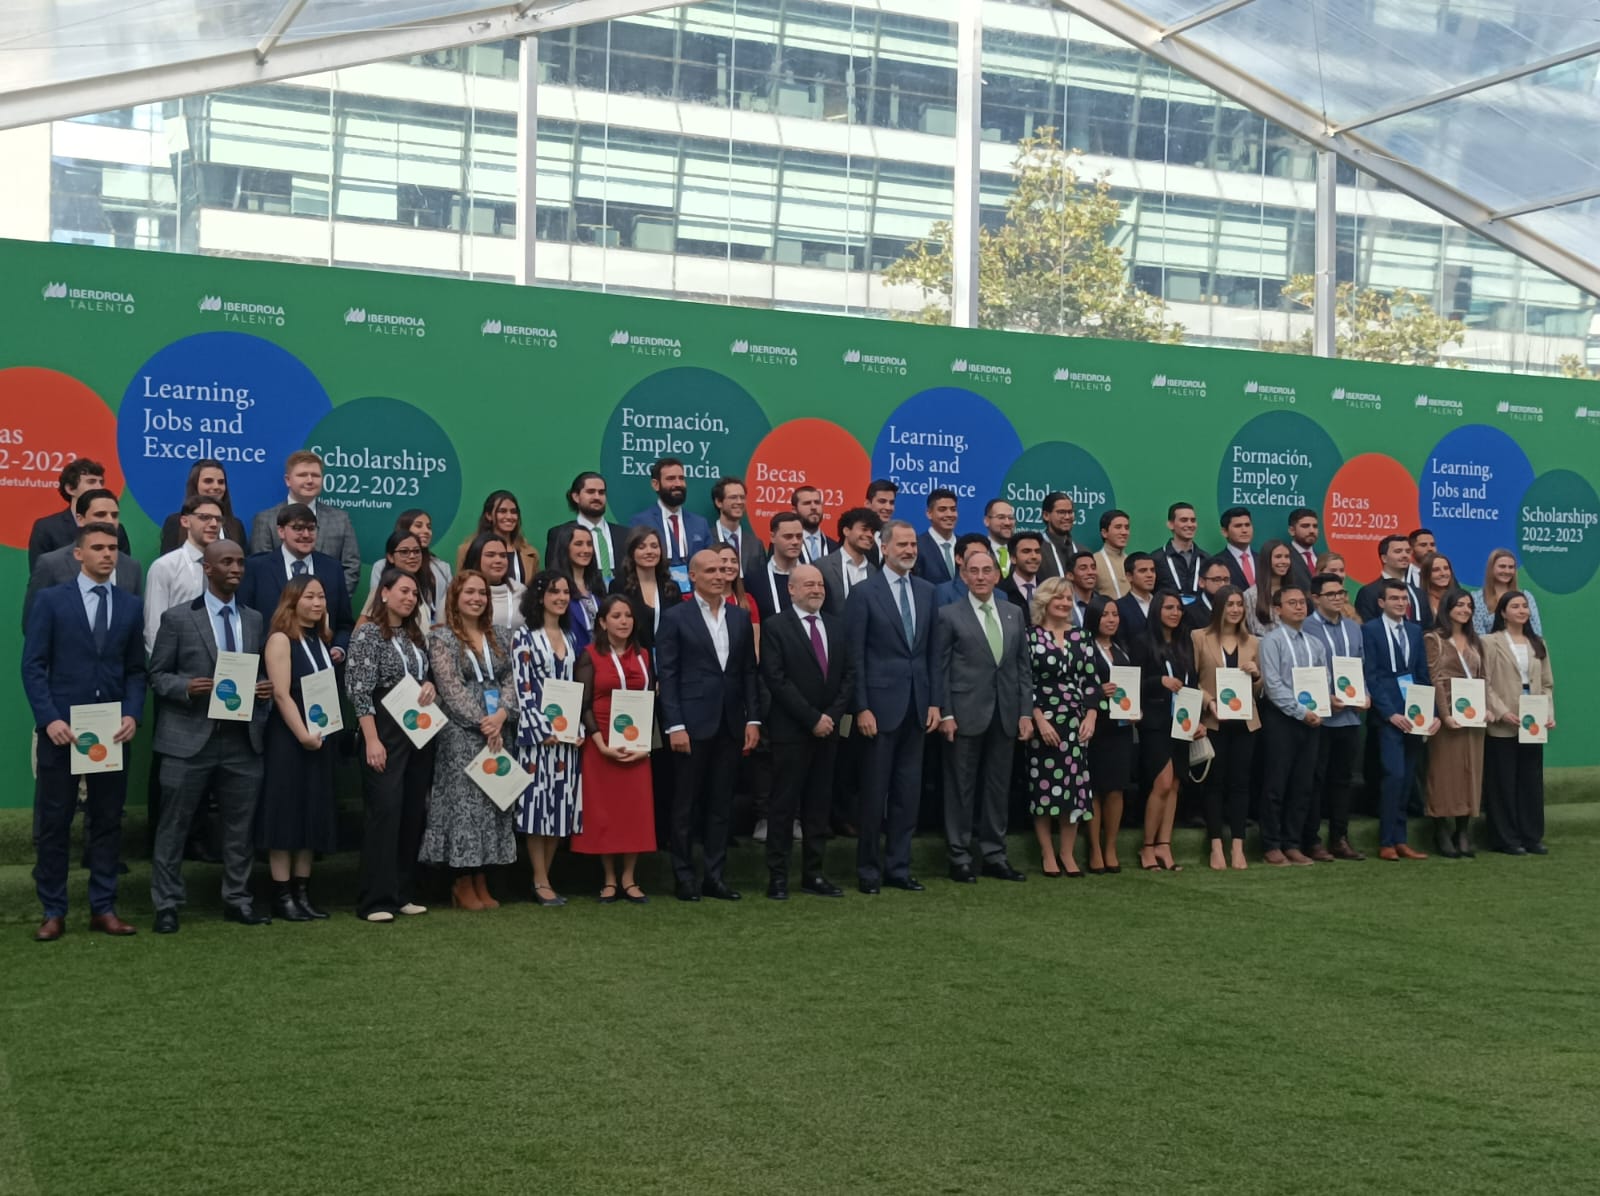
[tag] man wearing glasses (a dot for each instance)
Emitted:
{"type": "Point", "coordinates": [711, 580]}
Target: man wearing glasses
{"type": "Point", "coordinates": [266, 573]}
{"type": "Point", "coordinates": [177, 577]}
{"type": "Point", "coordinates": [1341, 731]}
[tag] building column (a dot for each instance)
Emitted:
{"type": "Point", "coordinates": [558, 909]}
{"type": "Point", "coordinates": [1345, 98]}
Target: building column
{"type": "Point", "coordinates": [1326, 281]}
{"type": "Point", "coordinates": [969, 113]}
{"type": "Point", "coordinates": [527, 159]}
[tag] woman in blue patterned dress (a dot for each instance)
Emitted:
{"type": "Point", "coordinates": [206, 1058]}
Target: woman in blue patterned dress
{"type": "Point", "coordinates": [551, 808]}
{"type": "Point", "coordinates": [1066, 701]}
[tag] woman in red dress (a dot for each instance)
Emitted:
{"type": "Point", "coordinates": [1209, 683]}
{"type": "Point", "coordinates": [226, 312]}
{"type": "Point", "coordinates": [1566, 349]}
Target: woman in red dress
{"type": "Point", "coordinates": [618, 814]}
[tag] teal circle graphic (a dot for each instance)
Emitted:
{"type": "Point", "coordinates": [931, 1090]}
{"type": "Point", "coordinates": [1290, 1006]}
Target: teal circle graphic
{"type": "Point", "coordinates": [1273, 464]}
{"type": "Point", "coordinates": [1558, 531]}
{"type": "Point", "coordinates": [1057, 465]}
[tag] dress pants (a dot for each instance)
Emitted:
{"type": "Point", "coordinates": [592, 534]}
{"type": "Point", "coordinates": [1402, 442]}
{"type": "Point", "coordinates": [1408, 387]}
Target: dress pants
{"type": "Point", "coordinates": [977, 788]}
{"type": "Point", "coordinates": [1513, 790]}
{"type": "Point", "coordinates": [229, 767]}
{"type": "Point", "coordinates": [1227, 787]}
{"type": "Point", "coordinates": [1398, 754]}
{"type": "Point", "coordinates": [802, 787]}
{"type": "Point", "coordinates": [703, 785]}
{"type": "Point", "coordinates": [1286, 793]}
{"type": "Point", "coordinates": [1331, 783]}
{"type": "Point", "coordinates": [55, 801]}
{"type": "Point", "coordinates": [890, 799]}
{"type": "Point", "coordinates": [396, 802]}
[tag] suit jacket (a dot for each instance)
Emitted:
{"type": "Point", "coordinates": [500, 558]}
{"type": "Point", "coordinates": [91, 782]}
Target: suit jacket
{"type": "Point", "coordinates": [972, 688]}
{"type": "Point", "coordinates": [1058, 554]}
{"type": "Point", "coordinates": [61, 531]}
{"type": "Point", "coordinates": [265, 575]}
{"type": "Point", "coordinates": [1173, 572]}
{"type": "Point", "coordinates": [1368, 609]}
{"type": "Point", "coordinates": [695, 527]}
{"type": "Point", "coordinates": [752, 552]}
{"type": "Point", "coordinates": [186, 647]}
{"type": "Point", "coordinates": [770, 591]}
{"type": "Point", "coordinates": [1236, 575]}
{"type": "Point", "coordinates": [930, 564]}
{"type": "Point", "coordinates": [1208, 659]}
{"type": "Point", "coordinates": [59, 565]}
{"type": "Point", "coordinates": [1382, 675]}
{"type": "Point", "coordinates": [619, 544]}
{"type": "Point", "coordinates": [1299, 572]}
{"type": "Point", "coordinates": [1135, 623]}
{"type": "Point", "coordinates": [946, 592]}
{"type": "Point", "coordinates": [892, 675]}
{"type": "Point", "coordinates": [335, 537]}
{"type": "Point", "coordinates": [832, 569]}
{"type": "Point", "coordinates": [61, 666]}
{"type": "Point", "coordinates": [797, 691]}
{"type": "Point", "coordinates": [698, 694]}
{"type": "Point", "coordinates": [1503, 681]}
{"type": "Point", "coordinates": [1013, 593]}
{"type": "Point", "coordinates": [1198, 613]}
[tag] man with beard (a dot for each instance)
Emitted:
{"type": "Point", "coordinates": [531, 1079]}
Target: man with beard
{"type": "Point", "coordinates": [683, 533]}
{"type": "Point", "coordinates": [1060, 517]}
{"type": "Point", "coordinates": [586, 499]}
{"type": "Point", "coordinates": [814, 545]}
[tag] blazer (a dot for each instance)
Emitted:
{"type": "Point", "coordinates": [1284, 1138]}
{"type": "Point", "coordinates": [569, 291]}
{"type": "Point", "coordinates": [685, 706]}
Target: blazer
{"type": "Point", "coordinates": [335, 537]}
{"type": "Point", "coordinates": [645, 615]}
{"type": "Point", "coordinates": [760, 587]}
{"type": "Point", "coordinates": [1299, 573]}
{"type": "Point", "coordinates": [265, 575]}
{"type": "Point", "coordinates": [1383, 684]}
{"type": "Point", "coordinates": [172, 533]}
{"type": "Point", "coordinates": [526, 553]}
{"type": "Point", "coordinates": [930, 564]}
{"type": "Point", "coordinates": [619, 545]}
{"type": "Point", "coordinates": [187, 647]}
{"type": "Point", "coordinates": [972, 688]}
{"type": "Point", "coordinates": [60, 530]}
{"type": "Point", "coordinates": [1154, 698]}
{"type": "Point", "coordinates": [1208, 659]}
{"type": "Point", "coordinates": [893, 677]}
{"type": "Point", "coordinates": [1135, 623]}
{"type": "Point", "coordinates": [752, 553]}
{"type": "Point", "coordinates": [797, 692]}
{"type": "Point", "coordinates": [62, 668]}
{"type": "Point", "coordinates": [1058, 554]}
{"type": "Point", "coordinates": [1198, 613]}
{"type": "Point", "coordinates": [1236, 575]}
{"type": "Point", "coordinates": [1504, 681]}
{"type": "Point", "coordinates": [697, 694]}
{"type": "Point", "coordinates": [695, 529]}
{"type": "Point", "coordinates": [1369, 610]}
{"type": "Point", "coordinates": [838, 590]}
{"type": "Point", "coordinates": [1013, 592]}
{"type": "Point", "coordinates": [59, 565]}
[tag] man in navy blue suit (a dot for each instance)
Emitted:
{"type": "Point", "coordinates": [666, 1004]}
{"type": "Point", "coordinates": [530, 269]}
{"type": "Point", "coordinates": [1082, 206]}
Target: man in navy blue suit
{"type": "Point", "coordinates": [710, 700]}
{"type": "Point", "coordinates": [936, 548]}
{"type": "Point", "coordinates": [266, 573]}
{"type": "Point", "coordinates": [683, 533]}
{"type": "Point", "coordinates": [84, 643]}
{"type": "Point", "coordinates": [889, 626]}
{"type": "Point", "coordinates": [1392, 652]}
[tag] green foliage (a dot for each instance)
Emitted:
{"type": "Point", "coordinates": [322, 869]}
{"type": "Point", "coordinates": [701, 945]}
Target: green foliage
{"type": "Point", "coordinates": [1399, 326]}
{"type": "Point", "coordinates": [1051, 266]}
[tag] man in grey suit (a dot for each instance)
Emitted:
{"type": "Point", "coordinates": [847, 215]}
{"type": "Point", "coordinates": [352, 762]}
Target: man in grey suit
{"type": "Point", "coordinates": [201, 753]}
{"type": "Point", "coordinates": [985, 685]}
{"type": "Point", "coordinates": [844, 570]}
{"type": "Point", "coordinates": [60, 565]}
{"type": "Point", "coordinates": [302, 474]}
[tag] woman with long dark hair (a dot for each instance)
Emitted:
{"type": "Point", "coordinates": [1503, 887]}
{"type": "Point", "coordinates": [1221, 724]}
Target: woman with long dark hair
{"type": "Point", "coordinates": [1517, 662]}
{"type": "Point", "coordinates": [575, 560]}
{"type": "Point", "coordinates": [209, 479]}
{"type": "Point", "coordinates": [1455, 753]}
{"type": "Point", "coordinates": [1168, 667]}
{"type": "Point", "coordinates": [491, 556]}
{"type": "Point", "coordinates": [1273, 564]}
{"type": "Point", "coordinates": [647, 581]}
{"type": "Point", "coordinates": [1111, 756]}
{"type": "Point", "coordinates": [432, 573]}
{"type": "Point", "coordinates": [1226, 643]}
{"type": "Point", "coordinates": [502, 516]}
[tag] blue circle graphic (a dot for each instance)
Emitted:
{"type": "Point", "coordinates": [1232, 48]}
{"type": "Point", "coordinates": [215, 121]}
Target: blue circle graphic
{"type": "Point", "coordinates": [1469, 494]}
{"type": "Point", "coordinates": [946, 437]}
{"type": "Point", "coordinates": [227, 395]}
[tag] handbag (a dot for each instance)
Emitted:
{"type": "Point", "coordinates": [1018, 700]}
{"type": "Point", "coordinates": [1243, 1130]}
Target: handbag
{"type": "Point", "coordinates": [1201, 753]}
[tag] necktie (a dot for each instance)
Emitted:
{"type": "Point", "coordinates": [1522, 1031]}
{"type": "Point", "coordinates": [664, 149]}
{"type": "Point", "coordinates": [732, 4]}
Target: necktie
{"type": "Point", "coordinates": [1400, 643]}
{"type": "Point", "coordinates": [949, 560]}
{"type": "Point", "coordinates": [1311, 561]}
{"type": "Point", "coordinates": [991, 631]}
{"type": "Point", "coordinates": [907, 619]}
{"type": "Point", "coordinates": [1027, 591]}
{"type": "Point", "coordinates": [1005, 562]}
{"type": "Point", "coordinates": [676, 550]}
{"type": "Point", "coordinates": [102, 617]}
{"type": "Point", "coordinates": [813, 548]}
{"type": "Point", "coordinates": [817, 645]}
{"type": "Point", "coordinates": [298, 569]}
{"type": "Point", "coordinates": [602, 549]}
{"type": "Point", "coordinates": [733, 538]}
{"type": "Point", "coordinates": [229, 644]}
{"type": "Point", "coordinates": [1249, 567]}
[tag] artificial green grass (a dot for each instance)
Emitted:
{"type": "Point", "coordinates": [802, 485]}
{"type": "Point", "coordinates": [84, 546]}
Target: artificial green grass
{"type": "Point", "coordinates": [1348, 1028]}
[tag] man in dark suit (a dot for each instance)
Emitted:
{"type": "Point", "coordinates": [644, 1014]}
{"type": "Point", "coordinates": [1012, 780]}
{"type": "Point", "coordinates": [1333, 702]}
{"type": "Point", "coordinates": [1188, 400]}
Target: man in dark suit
{"type": "Point", "coordinates": [50, 532]}
{"type": "Point", "coordinates": [1238, 530]}
{"type": "Point", "coordinates": [1134, 606]}
{"type": "Point", "coordinates": [710, 700]}
{"type": "Point", "coordinates": [1060, 517]}
{"type": "Point", "coordinates": [889, 624]}
{"type": "Point", "coordinates": [1304, 528]}
{"type": "Point", "coordinates": [199, 752]}
{"type": "Point", "coordinates": [266, 573]}
{"type": "Point", "coordinates": [810, 679]}
{"type": "Point", "coordinates": [83, 645]}
{"type": "Point", "coordinates": [1213, 576]}
{"type": "Point", "coordinates": [1394, 555]}
{"type": "Point", "coordinates": [586, 499]}
{"type": "Point", "coordinates": [770, 586]}
{"type": "Point", "coordinates": [985, 682]}
{"type": "Point", "coordinates": [1084, 577]}
{"type": "Point", "coordinates": [1393, 657]}
{"type": "Point", "coordinates": [955, 589]}
{"type": "Point", "coordinates": [683, 533]}
{"type": "Point", "coordinates": [1180, 561]}
{"type": "Point", "coordinates": [728, 497]}
{"type": "Point", "coordinates": [936, 547]}
{"type": "Point", "coordinates": [1027, 554]}
{"type": "Point", "coordinates": [336, 537]}
{"type": "Point", "coordinates": [61, 564]}
{"type": "Point", "coordinates": [858, 558]}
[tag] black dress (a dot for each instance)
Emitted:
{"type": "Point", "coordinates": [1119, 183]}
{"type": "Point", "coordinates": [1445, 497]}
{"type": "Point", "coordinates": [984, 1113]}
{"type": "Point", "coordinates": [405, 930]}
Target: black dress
{"type": "Point", "coordinates": [1111, 749]}
{"type": "Point", "coordinates": [297, 811]}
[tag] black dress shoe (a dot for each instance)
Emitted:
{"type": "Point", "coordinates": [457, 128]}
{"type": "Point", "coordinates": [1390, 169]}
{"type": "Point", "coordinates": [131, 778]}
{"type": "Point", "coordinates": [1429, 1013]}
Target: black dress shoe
{"type": "Point", "coordinates": [718, 891]}
{"type": "Point", "coordinates": [687, 891]}
{"type": "Point", "coordinates": [909, 883]}
{"type": "Point", "coordinates": [821, 886]}
{"type": "Point", "coordinates": [246, 915]}
{"type": "Point", "coordinates": [285, 908]}
{"type": "Point", "coordinates": [166, 921]}
{"type": "Point", "coordinates": [963, 874]}
{"type": "Point", "coordinates": [778, 888]}
{"type": "Point", "coordinates": [869, 887]}
{"type": "Point", "coordinates": [1003, 871]}
{"type": "Point", "coordinates": [1514, 849]}
{"type": "Point", "coordinates": [1538, 849]}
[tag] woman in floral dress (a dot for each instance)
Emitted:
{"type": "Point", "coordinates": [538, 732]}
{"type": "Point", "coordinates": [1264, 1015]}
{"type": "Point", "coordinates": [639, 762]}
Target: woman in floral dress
{"type": "Point", "coordinates": [1066, 701]}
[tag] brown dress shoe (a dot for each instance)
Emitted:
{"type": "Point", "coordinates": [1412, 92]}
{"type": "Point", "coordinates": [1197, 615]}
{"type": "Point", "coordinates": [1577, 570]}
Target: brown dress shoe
{"type": "Point", "coordinates": [1343, 851]}
{"type": "Point", "coordinates": [1295, 856]}
{"type": "Point", "coordinates": [1276, 858]}
{"type": "Point", "coordinates": [1321, 854]}
{"type": "Point", "coordinates": [50, 930]}
{"type": "Point", "coordinates": [1388, 853]}
{"type": "Point", "coordinates": [1406, 852]}
{"type": "Point", "coordinates": [111, 924]}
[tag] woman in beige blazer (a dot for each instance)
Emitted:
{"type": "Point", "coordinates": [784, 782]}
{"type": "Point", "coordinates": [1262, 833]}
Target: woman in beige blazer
{"type": "Point", "coordinates": [502, 515]}
{"type": "Point", "coordinates": [1516, 662]}
{"type": "Point", "coordinates": [1226, 642]}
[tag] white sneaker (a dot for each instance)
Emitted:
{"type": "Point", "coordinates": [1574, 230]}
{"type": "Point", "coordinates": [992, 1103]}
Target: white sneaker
{"type": "Point", "coordinates": [380, 915]}
{"type": "Point", "coordinates": [411, 909]}
{"type": "Point", "coordinates": [798, 832]}
{"type": "Point", "coordinates": [760, 833]}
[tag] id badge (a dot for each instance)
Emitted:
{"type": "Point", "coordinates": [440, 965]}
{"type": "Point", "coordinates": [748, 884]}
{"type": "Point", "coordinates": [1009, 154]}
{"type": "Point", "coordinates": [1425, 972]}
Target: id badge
{"type": "Point", "coordinates": [680, 574]}
{"type": "Point", "coordinates": [1188, 599]}
{"type": "Point", "coordinates": [491, 701]}
{"type": "Point", "coordinates": [1405, 682]}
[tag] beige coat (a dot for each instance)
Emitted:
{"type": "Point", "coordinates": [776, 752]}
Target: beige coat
{"type": "Point", "coordinates": [1505, 681]}
{"type": "Point", "coordinates": [1208, 659]}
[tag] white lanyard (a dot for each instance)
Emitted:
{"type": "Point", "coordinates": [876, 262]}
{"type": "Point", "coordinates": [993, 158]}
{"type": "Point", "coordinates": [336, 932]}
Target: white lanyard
{"type": "Point", "coordinates": [422, 664]}
{"type": "Point", "coordinates": [1394, 665]}
{"type": "Point", "coordinates": [1344, 634]}
{"type": "Point", "coordinates": [1465, 667]}
{"type": "Point", "coordinates": [559, 664]}
{"type": "Point", "coordinates": [1061, 570]}
{"type": "Point", "coordinates": [1294, 657]}
{"type": "Point", "coordinates": [315, 668]}
{"type": "Point", "coordinates": [488, 661]}
{"type": "Point", "coordinates": [772, 584]}
{"type": "Point", "coordinates": [1105, 656]}
{"type": "Point", "coordinates": [1111, 573]}
{"type": "Point", "coordinates": [1178, 581]}
{"type": "Point", "coordinates": [622, 676]}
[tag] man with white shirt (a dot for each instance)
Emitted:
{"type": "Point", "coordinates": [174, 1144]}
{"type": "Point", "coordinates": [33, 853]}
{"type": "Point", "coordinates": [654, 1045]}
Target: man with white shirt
{"type": "Point", "coordinates": [1000, 521]}
{"type": "Point", "coordinates": [881, 497]}
{"type": "Point", "coordinates": [1083, 575]}
{"type": "Point", "coordinates": [179, 576]}
{"type": "Point", "coordinates": [1116, 529]}
{"type": "Point", "coordinates": [770, 587]}
{"type": "Point", "coordinates": [1140, 591]}
{"type": "Point", "coordinates": [1422, 542]}
{"type": "Point", "coordinates": [710, 702]}
{"type": "Point", "coordinates": [1180, 562]}
{"type": "Point", "coordinates": [586, 499]}
{"type": "Point", "coordinates": [1027, 554]}
{"type": "Point", "coordinates": [1060, 517]}
{"type": "Point", "coordinates": [936, 547]}
{"type": "Point", "coordinates": [1238, 530]}
{"type": "Point", "coordinates": [844, 570]}
{"type": "Point", "coordinates": [302, 475]}
{"type": "Point", "coordinates": [1289, 729]}
{"type": "Point", "coordinates": [1394, 558]}
{"type": "Point", "coordinates": [60, 565]}
{"type": "Point", "coordinates": [814, 543]}
{"type": "Point", "coordinates": [728, 497]}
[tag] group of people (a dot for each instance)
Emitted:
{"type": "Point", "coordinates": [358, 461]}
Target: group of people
{"type": "Point", "coordinates": [867, 665]}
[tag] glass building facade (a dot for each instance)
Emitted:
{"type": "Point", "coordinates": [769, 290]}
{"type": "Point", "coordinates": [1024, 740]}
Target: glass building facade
{"type": "Point", "coordinates": [776, 153]}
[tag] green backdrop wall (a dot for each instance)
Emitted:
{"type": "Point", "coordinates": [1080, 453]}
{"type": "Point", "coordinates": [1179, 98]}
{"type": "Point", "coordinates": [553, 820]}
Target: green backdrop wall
{"type": "Point", "coordinates": [430, 392]}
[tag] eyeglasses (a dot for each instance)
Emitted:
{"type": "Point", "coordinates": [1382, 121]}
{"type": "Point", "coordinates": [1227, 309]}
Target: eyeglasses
{"type": "Point", "coordinates": [300, 527]}
{"type": "Point", "coordinates": [408, 552]}
{"type": "Point", "coordinates": [206, 518]}
{"type": "Point", "coordinates": [1334, 594]}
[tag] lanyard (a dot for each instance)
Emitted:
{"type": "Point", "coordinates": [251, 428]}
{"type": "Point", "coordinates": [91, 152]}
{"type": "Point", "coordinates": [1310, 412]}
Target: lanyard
{"type": "Point", "coordinates": [1105, 656]}
{"type": "Point", "coordinates": [772, 585]}
{"type": "Point", "coordinates": [1294, 657]}
{"type": "Point", "coordinates": [422, 665]}
{"type": "Point", "coordinates": [561, 665]}
{"type": "Point", "coordinates": [1405, 649]}
{"type": "Point", "coordinates": [1061, 570]}
{"type": "Point", "coordinates": [1465, 667]}
{"type": "Point", "coordinates": [1344, 634]}
{"type": "Point", "coordinates": [1111, 573]}
{"type": "Point", "coordinates": [622, 676]}
{"type": "Point", "coordinates": [1172, 570]}
{"type": "Point", "coordinates": [488, 661]}
{"type": "Point", "coordinates": [316, 668]}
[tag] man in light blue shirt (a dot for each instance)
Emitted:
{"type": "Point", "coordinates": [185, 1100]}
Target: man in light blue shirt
{"type": "Point", "coordinates": [1290, 729]}
{"type": "Point", "coordinates": [1341, 730]}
